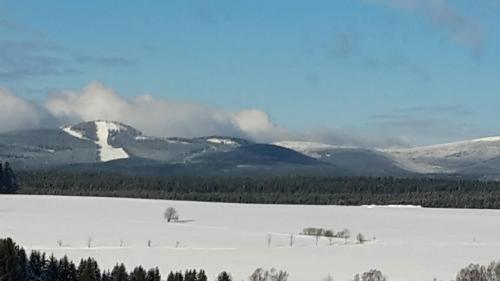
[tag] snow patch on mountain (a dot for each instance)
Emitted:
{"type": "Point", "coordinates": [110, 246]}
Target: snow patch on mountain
{"type": "Point", "coordinates": [106, 151]}
{"type": "Point", "coordinates": [143, 138]}
{"type": "Point", "coordinates": [310, 149]}
{"type": "Point", "coordinates": [446, 158]}
{"type": "Point", "coordinates": [222, 141]}
{"type": "Point", "coordinates": [72, 132]}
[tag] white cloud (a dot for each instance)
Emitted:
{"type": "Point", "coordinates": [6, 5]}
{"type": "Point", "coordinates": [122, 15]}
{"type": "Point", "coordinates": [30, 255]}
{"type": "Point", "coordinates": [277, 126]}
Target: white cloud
{"type": "Point", "coordinates": [258, 125]}
{"type": "Point", "coordinates": [17, 113]}
{"type": "Point", "coordinates": [95, 101]}
{"type": "Point", "coordinates": [160, 117]}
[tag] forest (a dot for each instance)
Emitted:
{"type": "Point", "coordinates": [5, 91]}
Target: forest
{"type": "Point", "coordinates": [17, 265]}
{"type": "Point", "coordinates": [426, 192]}
{"type": "Point", "coordinates": [8, 179]}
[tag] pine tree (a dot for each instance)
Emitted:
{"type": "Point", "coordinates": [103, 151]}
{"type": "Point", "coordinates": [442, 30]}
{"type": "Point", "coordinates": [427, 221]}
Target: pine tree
{"type": "Point", "coordinates": [23, 264]}
{"type": "Point", "coordinates": [202, 276]}
{"type": "Point", "coordinates": [51, 270]}
{"type": "Point", "coordinates": [106, 276]}
{"type": "Point", "coordinates": [119, 273]}
{"type": "Point", "coordinates": [153, 275]}
{"type": "Point", "coordinates": [179, 277]}
{"type": "Point", "coordinates": [190, 275]}
{"type": "Point", "coordinates": [11, 184]}
{"type": "Point", "coordinates": [36, 266]}
{"type": "Point", "coordinates": [170, 276]}
{"type": "Point", "coordinates": [138, 274]}
{"type": "Point", "coordinates": [66, 270]}
{"type": "Point", "coordinates": [2, 180]}
{"type": "Point", "coordinates": [224, 276]}
{"type": "Point", "coordinates": [88, 270]}
{"type": "Point", "coordinates": [12, 261]}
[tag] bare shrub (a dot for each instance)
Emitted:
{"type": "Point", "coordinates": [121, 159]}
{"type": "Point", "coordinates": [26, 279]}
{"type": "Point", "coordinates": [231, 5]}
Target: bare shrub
{"type": "Point", "coordinates": [268, 275]}
{"type": "Point", "coordinates": [372, 275]}
{"type": "Point", "coordinates": [171, 214]}
{"type": "Point", "coordinates": [360, 238]}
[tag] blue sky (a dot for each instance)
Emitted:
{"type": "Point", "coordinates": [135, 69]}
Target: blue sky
{"type": "Point", "coordinates": [422, 71]}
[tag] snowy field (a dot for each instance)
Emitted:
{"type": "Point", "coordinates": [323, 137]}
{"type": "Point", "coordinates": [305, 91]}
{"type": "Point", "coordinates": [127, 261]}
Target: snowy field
{"type": "Point", "coordinates": [413, 244]}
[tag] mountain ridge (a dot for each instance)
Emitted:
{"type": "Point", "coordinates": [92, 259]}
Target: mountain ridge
{"type": "Point", "coordinates": [120, 146]}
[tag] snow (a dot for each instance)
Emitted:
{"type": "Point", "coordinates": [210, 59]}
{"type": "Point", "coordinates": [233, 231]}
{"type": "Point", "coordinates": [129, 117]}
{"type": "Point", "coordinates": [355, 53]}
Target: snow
{"type": "Point", "coordinates": [412, 244]}
{"type": "Point", "coordinates": [391, 206]}
{"type": "Point", "coordinates": [106, 151]}
{"type": "Point", "coordinates": [72, 132]}
{"type": "Point", "coordinates": [302, 146]}
{"type": "Point", "coordinates": [423, 159]}
{"type": "Point", "coordinates": [311, 149]}
{"type": "Point", "coordinates": [222, 141]}
{"type": "Point", "coordinates": [143, 138]}
{"type": "Point", "coordinates": [103, 128]}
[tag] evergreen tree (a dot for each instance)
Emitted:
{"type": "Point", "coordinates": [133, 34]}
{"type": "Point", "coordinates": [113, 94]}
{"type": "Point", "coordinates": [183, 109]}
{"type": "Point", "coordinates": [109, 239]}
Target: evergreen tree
{"type": "Point", "coordinates": [36, 266]}
{"type": "Point", "coordinates": [9, 183]}
{"type": "Point", "coordinates": [66, 270]}
{"type": "Point", "coordinates": [12, 261]}
{"type": "Point", "coordinates": [202, 276]}
{"type": "Point", "coordinates": [177, 276]}
{"type": "Point", "coordinates": [88, 270]}
{"type": "Point", "coordinates": [51, 269]}
{"type": "Point", "coordinates": [171, 276]}
{"type": "Point", "coordinates": [2, 180]}
{"type": "Point", "coordinates": [23, 264]}
{"type": "Point", "coordinates": [119, 273]}
{"type": "Point", "coordinates": [106, 276]}
{"type": "Point", "coordinates": [224, 276]}
{"type": "Point", "coordinates": [190, 275]}
{"type": "Point", "coordinates": [138, 274]}
{"type": "Point", "coordinates": [153, 275]}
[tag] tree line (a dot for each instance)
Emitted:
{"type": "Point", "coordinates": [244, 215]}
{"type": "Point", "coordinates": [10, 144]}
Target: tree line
{"type": "Point", "coordinates": [8, 179]}
{"type": "Point", "coordinates": [15, 265]}
{"type": "Point", "coordinates": [426, 192]}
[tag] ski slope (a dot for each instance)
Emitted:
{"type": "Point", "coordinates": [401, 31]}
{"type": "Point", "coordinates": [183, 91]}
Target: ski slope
{"type": "Point", "coordinates": [106, 151]}
{"type": "Point", "coordinates": [411, 244]}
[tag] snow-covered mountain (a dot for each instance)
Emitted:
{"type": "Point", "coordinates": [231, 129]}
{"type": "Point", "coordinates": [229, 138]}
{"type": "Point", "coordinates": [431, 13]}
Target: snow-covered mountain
{"type": "Point", "coordinates": [113, 146]}
{"type": "Point", "coordinates": [476, 157]}
{"type": "Point", "coordinates": [118, 147]}
{"type": "Point", "coordinates": [447, 158]}
{"type": "Point", "coordinates": [360, 161]}
{"type": "Point", "coordinates": [102, 133]}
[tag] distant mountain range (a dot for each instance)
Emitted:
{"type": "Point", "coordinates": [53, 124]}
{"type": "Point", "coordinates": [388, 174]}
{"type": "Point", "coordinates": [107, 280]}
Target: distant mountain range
{"type": "Point", "coordinates": [115, 147]}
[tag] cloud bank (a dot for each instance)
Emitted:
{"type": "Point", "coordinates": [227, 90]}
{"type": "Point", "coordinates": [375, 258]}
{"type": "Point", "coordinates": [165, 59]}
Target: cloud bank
{"type": "Point", "coordinates": [17, 113]}
{"type": "Point", "coordinates": [161, 117]}
{"type": "Point", "coordinates": [154, 116]}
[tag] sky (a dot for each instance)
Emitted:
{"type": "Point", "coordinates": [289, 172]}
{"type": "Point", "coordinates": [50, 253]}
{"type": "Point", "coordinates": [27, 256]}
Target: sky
{"type": "Point", "coordinates": [375, 73]}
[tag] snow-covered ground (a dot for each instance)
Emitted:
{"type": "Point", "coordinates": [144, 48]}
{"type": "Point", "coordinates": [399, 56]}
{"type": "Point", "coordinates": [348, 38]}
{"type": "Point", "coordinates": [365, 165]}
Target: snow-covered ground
{"type": "Point", "coordinates": [412, 244]}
